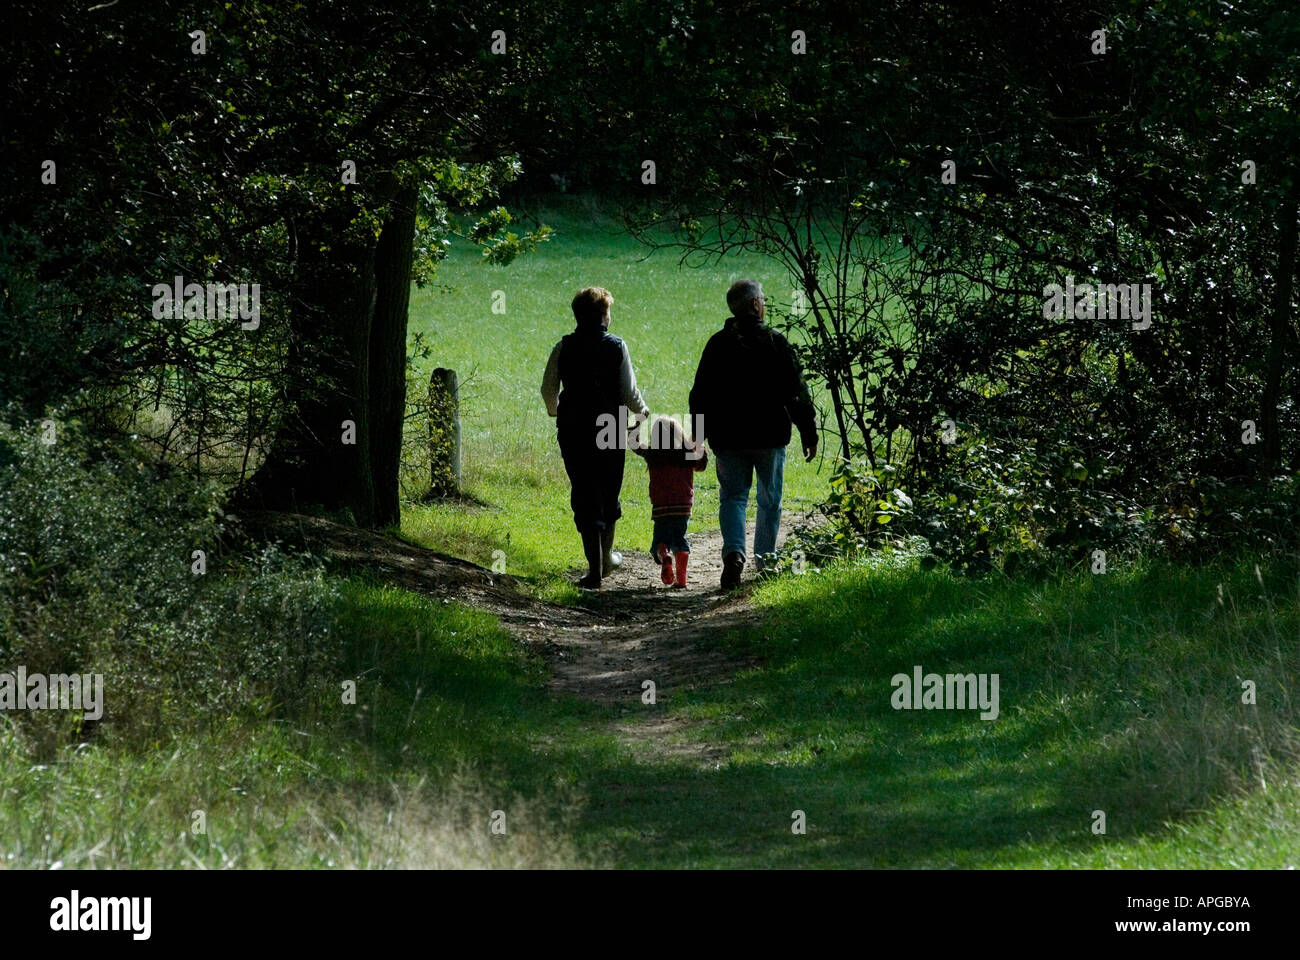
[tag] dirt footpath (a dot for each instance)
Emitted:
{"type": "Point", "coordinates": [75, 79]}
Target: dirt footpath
{"type": "Point", "coordinates": [632, 630]}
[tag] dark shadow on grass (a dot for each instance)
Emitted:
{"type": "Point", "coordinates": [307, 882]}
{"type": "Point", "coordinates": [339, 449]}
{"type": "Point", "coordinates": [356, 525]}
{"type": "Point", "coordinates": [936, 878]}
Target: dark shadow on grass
{"type": "Point", "coordinates": [1091, 719]}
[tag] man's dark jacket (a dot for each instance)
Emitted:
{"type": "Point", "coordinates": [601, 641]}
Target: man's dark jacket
{"type": "Point", "coordinates": [749, 388]}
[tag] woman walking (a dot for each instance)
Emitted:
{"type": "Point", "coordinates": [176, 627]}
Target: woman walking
{"type": "Point", "coordinates": [588, 378]}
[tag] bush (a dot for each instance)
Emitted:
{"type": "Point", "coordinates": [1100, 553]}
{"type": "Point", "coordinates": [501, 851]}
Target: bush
{"type": "Point", "coordinates": [1023, 508]}
{"type": "Point", "coordinates": [1028, 508]}
{"type": "Point", "coordinates": [97, 549]}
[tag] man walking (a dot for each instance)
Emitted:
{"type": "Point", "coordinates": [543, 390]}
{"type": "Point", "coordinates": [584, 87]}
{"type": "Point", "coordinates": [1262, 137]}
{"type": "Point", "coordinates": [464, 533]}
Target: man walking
{"type": "Point", "coordinates": [748, 390]}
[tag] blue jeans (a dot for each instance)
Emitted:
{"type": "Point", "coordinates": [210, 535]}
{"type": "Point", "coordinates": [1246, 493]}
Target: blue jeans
{"type": "Point", "coordinates": [736, 469]}
{"type": "Point", "coordinates": [671, 532]}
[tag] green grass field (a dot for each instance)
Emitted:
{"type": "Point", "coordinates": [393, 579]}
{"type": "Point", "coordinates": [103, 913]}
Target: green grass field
{"type": "Point", "coordinates": [665, 312]}
{"type": "Point", "coordinates": [1120, 694]}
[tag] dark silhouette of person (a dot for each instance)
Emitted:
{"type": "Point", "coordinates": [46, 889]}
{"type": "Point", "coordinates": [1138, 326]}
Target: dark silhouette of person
{"type": "Point", "coordinates": [589, 383]}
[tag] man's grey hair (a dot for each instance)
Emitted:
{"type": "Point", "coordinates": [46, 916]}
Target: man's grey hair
{"type": "Point", "coordinates": [741, 292]}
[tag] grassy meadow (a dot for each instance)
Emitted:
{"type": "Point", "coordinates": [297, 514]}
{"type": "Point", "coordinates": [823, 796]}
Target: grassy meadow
{"type": "Point", "coordinates": [1120, 694]}
{"type": "Point", "coordinates": [665, 312]}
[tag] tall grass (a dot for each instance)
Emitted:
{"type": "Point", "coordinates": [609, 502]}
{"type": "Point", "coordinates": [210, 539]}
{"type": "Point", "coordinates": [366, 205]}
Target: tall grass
{"type": "Point", "coordinates": [246, 796]}
{"type": "Point", "coordinates": [256, 713]}
{"type": "Point", "coordinates": [408, 775]}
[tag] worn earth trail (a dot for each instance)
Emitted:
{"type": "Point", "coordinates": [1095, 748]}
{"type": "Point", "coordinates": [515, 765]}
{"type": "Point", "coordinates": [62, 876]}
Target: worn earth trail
{"type": "Point", "coordinates": [632, 630]}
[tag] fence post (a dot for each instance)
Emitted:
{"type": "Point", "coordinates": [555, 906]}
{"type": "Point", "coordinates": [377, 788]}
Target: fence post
{"type": "Point", "coordinates": [444, 432]}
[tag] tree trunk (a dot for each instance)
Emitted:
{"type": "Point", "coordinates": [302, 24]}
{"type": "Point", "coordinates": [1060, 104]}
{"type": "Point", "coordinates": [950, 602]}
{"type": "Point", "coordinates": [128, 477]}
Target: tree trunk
{"type": "Point", "coordinates": [393, 258]}
{"type": "Point", "coordinates": [311, 462]}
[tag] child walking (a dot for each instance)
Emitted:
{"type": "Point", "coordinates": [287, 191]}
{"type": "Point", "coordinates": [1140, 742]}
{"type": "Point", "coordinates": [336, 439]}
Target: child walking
{"type": "Point", "coordinates": [672, 460]}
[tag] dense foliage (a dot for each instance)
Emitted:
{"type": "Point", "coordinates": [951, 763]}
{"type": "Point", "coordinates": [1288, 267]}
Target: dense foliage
{"type": "Point", "coordinates": [923, 172]}
{"type": "Point", "coordinates": [326, 153]}
{"type": "Point", "coordinates": [109, 566]}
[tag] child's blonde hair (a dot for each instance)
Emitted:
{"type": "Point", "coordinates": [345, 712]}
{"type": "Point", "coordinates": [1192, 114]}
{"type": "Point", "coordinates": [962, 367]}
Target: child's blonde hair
{"type": "Point", "coordinates": [668, 443]}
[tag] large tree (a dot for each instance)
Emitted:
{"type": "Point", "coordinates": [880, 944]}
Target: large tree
{"type": "Point", "coordinates": [308, 149]}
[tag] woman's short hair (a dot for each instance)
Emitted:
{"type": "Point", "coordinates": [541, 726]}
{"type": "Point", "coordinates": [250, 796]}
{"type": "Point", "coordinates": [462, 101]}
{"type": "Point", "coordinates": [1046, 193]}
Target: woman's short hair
{"type": "Point", "coordinates": [591, 304]}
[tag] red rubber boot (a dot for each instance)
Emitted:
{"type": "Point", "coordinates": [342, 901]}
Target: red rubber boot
{"type": "Point", "coordinates": [682, 557]}
{"type": "Point", "coordinates": [665, 564]}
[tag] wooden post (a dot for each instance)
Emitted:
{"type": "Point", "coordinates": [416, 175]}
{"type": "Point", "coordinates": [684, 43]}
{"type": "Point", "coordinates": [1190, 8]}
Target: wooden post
{"type": "Point", "coordinates": [444, 432]}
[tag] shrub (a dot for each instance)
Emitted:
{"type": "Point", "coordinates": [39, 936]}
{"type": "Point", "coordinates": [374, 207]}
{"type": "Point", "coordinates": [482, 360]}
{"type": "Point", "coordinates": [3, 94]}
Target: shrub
{"type": "Point", "coordinates": [97, 554]}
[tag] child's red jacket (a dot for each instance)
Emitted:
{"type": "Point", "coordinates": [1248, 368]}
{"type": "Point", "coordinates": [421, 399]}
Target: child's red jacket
{"type": "Point", "coordinates": [672, 480]}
